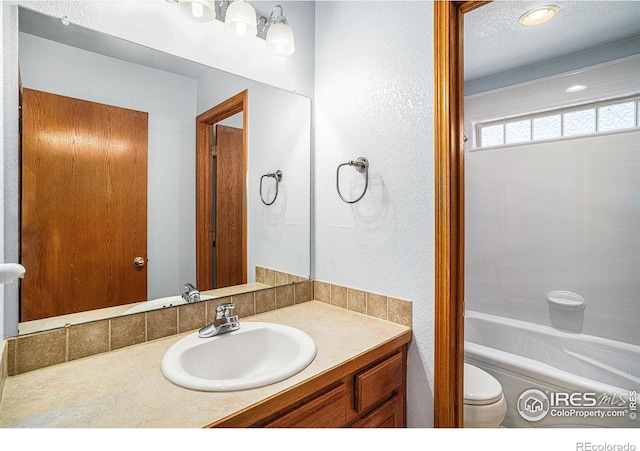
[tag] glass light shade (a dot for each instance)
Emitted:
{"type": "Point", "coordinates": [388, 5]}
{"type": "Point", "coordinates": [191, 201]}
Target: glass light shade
{"type": "Point", "coordinates": [200, 11]}
{"type": "Point", "coordinates": [280, 40]}
{"type": "Point", "coordinates": [197, 9]}
{"type": "Point", "coordinates": [240, 21]}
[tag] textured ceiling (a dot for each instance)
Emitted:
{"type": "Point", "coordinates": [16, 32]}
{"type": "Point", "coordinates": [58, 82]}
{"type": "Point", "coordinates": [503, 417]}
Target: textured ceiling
{"type": "Point", "coordinates": [495, 42]}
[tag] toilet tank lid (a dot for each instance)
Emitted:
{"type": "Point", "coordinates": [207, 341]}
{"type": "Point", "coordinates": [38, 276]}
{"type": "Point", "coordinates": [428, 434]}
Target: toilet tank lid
{"type": "Point", "coordinates": [479, 386]}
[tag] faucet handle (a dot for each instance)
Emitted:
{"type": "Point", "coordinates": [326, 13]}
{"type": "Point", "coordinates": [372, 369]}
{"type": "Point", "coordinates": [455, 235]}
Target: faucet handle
{"type": "Point", "coordinates": [223, 310]}
{"type": "Point", "coordinates": [190, 294]}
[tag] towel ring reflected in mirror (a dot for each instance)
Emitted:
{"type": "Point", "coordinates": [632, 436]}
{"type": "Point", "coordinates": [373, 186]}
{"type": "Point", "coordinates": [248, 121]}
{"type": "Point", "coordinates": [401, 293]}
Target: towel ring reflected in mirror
{"type": "Point", "coordinates": [361, 165]}
{"type": "Point", "coordinates": [278, 178]}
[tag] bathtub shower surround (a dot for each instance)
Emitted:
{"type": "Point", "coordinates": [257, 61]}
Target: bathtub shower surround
{"type": "Point", "coordinates": [552, 248]}
{"type": "Point", "coordinates": [556, 215]}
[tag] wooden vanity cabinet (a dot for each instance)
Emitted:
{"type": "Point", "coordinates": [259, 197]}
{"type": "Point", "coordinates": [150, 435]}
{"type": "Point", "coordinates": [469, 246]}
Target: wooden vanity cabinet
{"type": "Point", "coordinates": [368, 391]}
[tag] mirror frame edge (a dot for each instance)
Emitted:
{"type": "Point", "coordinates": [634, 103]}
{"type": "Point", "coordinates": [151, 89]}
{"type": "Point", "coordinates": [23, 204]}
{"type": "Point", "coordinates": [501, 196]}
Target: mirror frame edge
{"type": "Point", "coordinates": [11, 185]}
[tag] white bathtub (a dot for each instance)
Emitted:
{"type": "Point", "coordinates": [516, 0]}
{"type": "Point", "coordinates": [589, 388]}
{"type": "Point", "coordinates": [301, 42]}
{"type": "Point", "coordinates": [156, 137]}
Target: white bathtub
{"type": "Point", "coordinates": [525, 356]}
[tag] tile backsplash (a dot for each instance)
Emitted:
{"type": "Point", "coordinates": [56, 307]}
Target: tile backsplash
{"type": "Point", "coordinates": [388, 308]}
{"type": "Point", "coordinates": [39, 350]}
{"type": "Point", "coordinates": [273, 277]}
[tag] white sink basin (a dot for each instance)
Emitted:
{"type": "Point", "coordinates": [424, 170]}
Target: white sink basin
{"type": "Point", "coordinates": [169, 301]}
{"type": "Point", "coordinates": [255, 355]}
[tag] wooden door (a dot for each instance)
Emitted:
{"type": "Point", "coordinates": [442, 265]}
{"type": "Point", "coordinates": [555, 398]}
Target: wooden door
{"type": "Point", "coordinates": [84, 205]}
{"type": "Point", "coordinates": [229, 209]}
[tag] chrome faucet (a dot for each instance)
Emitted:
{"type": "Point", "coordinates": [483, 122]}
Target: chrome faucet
{"type": "Point", "coordinates": [191, 294]}
{"type": "Point", "coordinates": [223, 323]}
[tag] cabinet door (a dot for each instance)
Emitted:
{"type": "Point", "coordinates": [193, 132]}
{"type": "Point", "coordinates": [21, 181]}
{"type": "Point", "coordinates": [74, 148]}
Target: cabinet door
{"type": "Point", "coordinates": [326, 411]}
{"type": "Point", "coordinates": [378, 383]}
{"type": "Point", "coordinates": [388, 415]}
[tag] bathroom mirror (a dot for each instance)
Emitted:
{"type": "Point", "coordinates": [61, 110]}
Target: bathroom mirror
{"type": "Point", "coordinates": [78, 63]}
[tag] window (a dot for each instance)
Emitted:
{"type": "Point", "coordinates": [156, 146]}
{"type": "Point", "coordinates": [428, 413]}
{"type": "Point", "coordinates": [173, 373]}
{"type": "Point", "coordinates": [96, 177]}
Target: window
{"type": "Point", "coordinates": [601, 117]}
{"type": "Point", "coordinates": [547, 127]}
{"type": "Point", "coordinates": [518, 131]}
{"type": "Point", "coordinates": [617, 116]}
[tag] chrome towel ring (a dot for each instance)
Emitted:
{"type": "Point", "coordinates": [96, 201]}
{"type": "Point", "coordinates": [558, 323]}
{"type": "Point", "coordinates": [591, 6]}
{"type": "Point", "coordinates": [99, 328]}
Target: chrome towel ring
{"type": "Point", "coordinates": [278, 177]}
{"type": "Point", "coordinates": [361, 165]}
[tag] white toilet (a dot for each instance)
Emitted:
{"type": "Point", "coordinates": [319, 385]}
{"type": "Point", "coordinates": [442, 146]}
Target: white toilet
{"type": "Point", "coordinates": [484, 403]}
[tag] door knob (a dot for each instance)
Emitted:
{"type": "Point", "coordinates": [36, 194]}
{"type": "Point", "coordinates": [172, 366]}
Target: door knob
{"type": "Point", "coordinates": [138, 262]}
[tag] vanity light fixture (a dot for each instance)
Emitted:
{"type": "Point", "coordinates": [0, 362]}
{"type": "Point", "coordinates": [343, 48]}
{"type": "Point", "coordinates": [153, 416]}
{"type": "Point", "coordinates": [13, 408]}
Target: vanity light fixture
{"type": "Point", "coordinates": [240, 20]}
{"type": "Point", "coordinates": [575, 88]}
{"type": "Point", "coordinates": [198, 10]}
{"type": "Point", "coordinates": [539, 15]}
{"type": "Point", "coordinates": [277, 32]}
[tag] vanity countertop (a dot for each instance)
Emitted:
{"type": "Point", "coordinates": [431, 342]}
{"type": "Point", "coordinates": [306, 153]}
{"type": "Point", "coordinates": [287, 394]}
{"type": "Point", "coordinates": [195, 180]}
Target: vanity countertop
{"type": "Point", "coordinates": [126, 388]}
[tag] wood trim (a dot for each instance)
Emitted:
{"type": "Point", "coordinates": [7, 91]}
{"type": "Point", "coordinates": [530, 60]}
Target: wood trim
{"type": "Point", "coordinates": [245, 158]}
{"type": "Point", "coordinates": [204, 181]}
{"type": "Point", "coordinates": [468, 6]}
{"type": "Point", "coordinates": [449, 210]}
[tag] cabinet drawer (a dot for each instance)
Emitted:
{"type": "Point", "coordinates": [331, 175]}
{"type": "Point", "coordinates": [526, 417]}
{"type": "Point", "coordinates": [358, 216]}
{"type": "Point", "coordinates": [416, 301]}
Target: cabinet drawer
{"type": "Point", "coordinates": [378, 383]}
{"type": "Point", "coordinates": [328, 411]}
{"type": "Point", "coordinates": [388, 415]}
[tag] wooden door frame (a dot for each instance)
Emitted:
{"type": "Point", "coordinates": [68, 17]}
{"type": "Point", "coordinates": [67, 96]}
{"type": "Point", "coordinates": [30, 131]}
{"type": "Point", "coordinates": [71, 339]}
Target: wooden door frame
{"type": "Point", "coordinates": [449, 210]}
{"type": "Point", "coordinates": [204, 183]}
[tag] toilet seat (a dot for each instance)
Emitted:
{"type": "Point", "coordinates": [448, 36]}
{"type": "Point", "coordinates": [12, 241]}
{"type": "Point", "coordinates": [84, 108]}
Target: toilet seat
{"type": "Point", "coordinates": [480, 388]}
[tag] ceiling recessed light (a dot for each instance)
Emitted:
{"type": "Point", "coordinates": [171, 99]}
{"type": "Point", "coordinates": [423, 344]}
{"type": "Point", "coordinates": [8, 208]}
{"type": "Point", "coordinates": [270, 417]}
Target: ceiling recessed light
{"type": "Point", "coordinates": [538, 16]}
{"type": "Point", "coordinates": [575, 88]}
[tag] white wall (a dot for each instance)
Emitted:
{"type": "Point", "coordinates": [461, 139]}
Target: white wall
{"type": "Point", "coordinates": [558, 215]}
{"type": "Point", "coordinates": [52, 67]}
{"type": "Point", "coordinates": [374, 98]}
